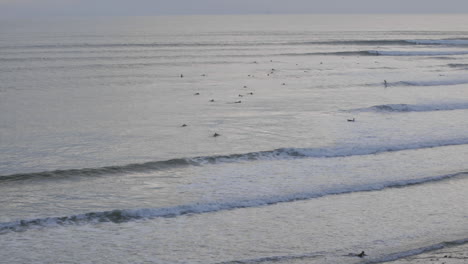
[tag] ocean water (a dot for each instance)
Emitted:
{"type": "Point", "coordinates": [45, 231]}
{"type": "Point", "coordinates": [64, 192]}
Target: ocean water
{"type": "Point", "coordinates": [97, 167]}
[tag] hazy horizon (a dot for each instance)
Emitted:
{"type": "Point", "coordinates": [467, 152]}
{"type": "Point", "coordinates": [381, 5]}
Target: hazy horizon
{"type": "Point", "coordinates": [55, 8]}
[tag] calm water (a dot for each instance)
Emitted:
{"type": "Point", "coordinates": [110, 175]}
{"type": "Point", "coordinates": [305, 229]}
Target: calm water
{"type": "Point", "coordinates": [96, 166]}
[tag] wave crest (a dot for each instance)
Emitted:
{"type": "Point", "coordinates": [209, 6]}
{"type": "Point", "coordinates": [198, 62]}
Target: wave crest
{"type": "Point", "coordinates": [283, 153]}
{"type": "Point", "coordinates": [126, 215]}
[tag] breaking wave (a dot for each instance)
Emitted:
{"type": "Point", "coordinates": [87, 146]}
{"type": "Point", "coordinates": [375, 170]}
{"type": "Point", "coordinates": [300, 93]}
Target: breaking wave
{"type": "Point", "coordinates": [277, 154]}
{"type": "Point", "coordinates": [126, 215]}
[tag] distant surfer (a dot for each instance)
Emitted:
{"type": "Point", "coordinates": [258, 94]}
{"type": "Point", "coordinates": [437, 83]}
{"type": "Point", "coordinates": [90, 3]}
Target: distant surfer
{"type": "Point", "coordinates": [351, 120]}
{"type": "Point", "coordinates": [361, 255]}
{"type": "Point", "coordinates": [385, 83]}
{"type": "Point", "coordinates": [181, 76]}
{"type": "Point", "coordinates": [216, 135]}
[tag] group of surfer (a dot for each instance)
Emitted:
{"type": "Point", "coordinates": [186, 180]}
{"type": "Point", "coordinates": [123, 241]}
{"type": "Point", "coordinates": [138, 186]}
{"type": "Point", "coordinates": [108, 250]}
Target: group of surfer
{"type": "Point", "coordinates": [251, 93]}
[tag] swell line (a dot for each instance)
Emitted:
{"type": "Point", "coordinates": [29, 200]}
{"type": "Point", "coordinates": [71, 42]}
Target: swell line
{"type": "Point", "coordinates": [277, 154]}
{"type": "Point", "coordinates": [417, 251]}
{"type": "Point", "coordinates": [379, 53]}
{"type": "Point", "coordinates": [413, 107]}
{"type": "Point", "coordinates": [391, 257]}
{"type": "Point", "coordinates": [429, 83]}
{"type": "Point", "coordinates": [127, 215]}
{"type": "Point", "coordinates": [368, 42]}
{"type": "Point", "coordinates": [461, 66]}
{"type": "Point", "coordinates": [130, 168]}
{"type": "Point", "coordinates": [389, 42]}
{"type": "Point", "coordinates": [276, 258]}
{"type": "Point", "coordinates": [155, 165]}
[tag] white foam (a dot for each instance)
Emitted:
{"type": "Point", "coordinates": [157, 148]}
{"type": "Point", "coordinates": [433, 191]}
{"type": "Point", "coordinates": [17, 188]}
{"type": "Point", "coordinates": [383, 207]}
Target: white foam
{"type": "Point", "coordinates": [118, 216]}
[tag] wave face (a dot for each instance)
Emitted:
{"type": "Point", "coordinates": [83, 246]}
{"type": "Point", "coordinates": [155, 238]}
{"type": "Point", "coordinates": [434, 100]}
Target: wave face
{"type": "Point", "coordinates": [120, 216]}
{"type": "Point", "coordinates": [413, 108]}
{"type": "Point", "coordinates": [130, 168]}
{"type": "Point", "coordinates": [277, 154]}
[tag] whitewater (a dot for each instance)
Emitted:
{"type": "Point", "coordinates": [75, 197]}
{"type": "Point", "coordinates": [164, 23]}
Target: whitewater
{"type": "Point", "coordinates": [336, 134]}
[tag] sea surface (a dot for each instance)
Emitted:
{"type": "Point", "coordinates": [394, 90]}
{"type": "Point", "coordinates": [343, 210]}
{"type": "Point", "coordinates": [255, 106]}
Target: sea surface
{"type": "Point", "coordinates": [108, 153]}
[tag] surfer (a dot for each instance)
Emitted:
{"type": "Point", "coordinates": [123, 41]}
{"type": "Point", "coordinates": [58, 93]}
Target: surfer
{"type": "Point", "coordinates": [351, 120]}
{"type": "Point", "coordinates": [361, 255]}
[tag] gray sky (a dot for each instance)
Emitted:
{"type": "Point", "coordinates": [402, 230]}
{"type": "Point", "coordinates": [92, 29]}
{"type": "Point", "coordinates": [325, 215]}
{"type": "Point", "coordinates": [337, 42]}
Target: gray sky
{"type": "Point", "coordinates": [22, 8]}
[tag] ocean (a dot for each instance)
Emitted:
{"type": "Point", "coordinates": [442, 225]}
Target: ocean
{"type": "Point", "coordinates": [335, 134]}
